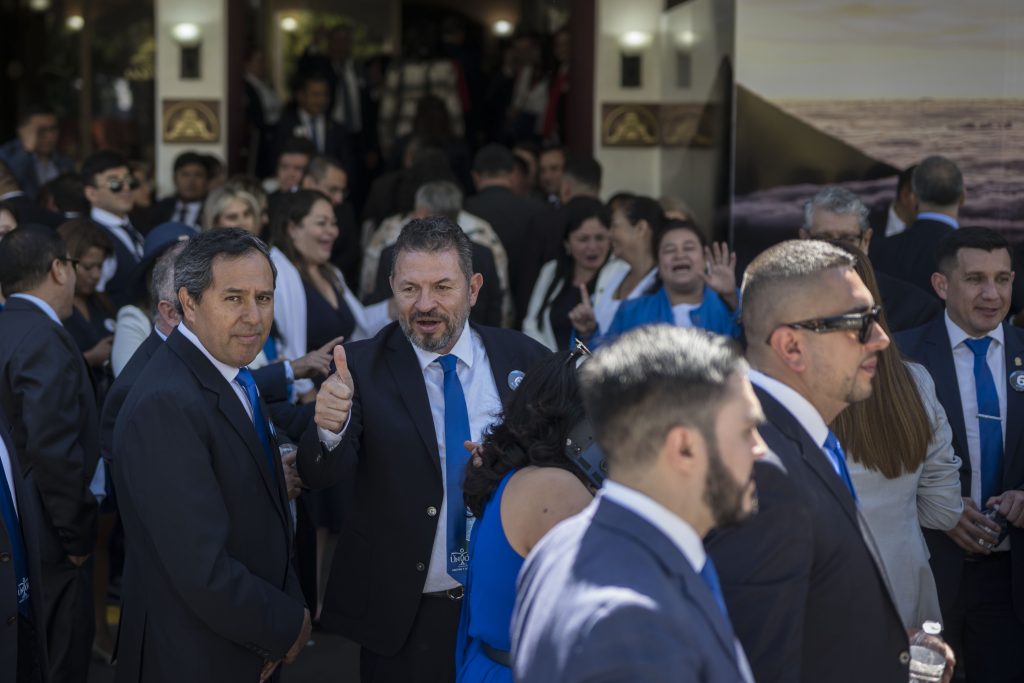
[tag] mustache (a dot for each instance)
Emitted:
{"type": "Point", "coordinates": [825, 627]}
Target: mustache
{"type": "Point", "coordinates": [428, 315]}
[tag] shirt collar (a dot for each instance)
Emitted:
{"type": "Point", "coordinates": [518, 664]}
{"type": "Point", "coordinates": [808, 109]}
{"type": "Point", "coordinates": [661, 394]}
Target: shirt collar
{"type": "Point", "coordinates": [957, 336]}
{"type": "Point", "coordinates": [228, 371]}
{"type": "Point", "coordinates": [805, 413]}
{"type": "Point", "coordinates": [667, 522]}
{"type": "Point", "coordinates": [47, 308]}
{"type": "Point", "coordinates": [104, 217]}
{"type": "Point", "coordinates": [11, 195]}
{"type": "Point", "coordinates": [940, 217]}
{"type": "Point", "coordinates": [463, 350]}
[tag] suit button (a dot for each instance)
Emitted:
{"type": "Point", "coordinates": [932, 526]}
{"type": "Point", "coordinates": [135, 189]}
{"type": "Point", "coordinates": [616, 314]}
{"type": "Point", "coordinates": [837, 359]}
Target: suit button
{"type": "Point", "coordinates": [11, 621]}
{"type": "Point", "coordinates": [904, 657]}
{"type": "Point", "coordinates": [431, 511]}
{"type": "Point", "coordinates": [420, 566]}
{"type": "Point", "coordinates": [5, 557]}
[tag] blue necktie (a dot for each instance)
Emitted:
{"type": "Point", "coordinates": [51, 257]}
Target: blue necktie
{"type": "Point", "coordinates": [835, 453]}
{"type": "Point", "coordinates": [990, 424]}
{"type": "Point", "coordinates": [17, 543]}
{"type": "Point", "coordinates": [710, 577]}
{"type": "Point", "coordinates": [246, 380]}
{"type": "Point", "coordinates": [456, 431]}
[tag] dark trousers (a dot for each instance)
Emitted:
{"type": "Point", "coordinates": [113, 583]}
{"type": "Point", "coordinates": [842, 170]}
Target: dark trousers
{"type": "Point", "coordinates": [982, 627]}
{"type": "Point", "coordinates": [70, 622]}
{"type": "Point", "coordinates": [428, 655]}
{"type": "Point", "coordinates": [30, 669]}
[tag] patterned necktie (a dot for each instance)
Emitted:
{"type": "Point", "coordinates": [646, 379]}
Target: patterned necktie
{"type": "Point", "coordinates": [456, 431]}
{"type": "Point", "coordinates": [990, 423]}
{"type": "Point", "coordinates": [17, 542]}
{"type": "Point", "coordinates": [247, 382]}
{"type": "Point", "coordinates": [137, 239]}
{"type": "Point", "coordinates": [838, 457]}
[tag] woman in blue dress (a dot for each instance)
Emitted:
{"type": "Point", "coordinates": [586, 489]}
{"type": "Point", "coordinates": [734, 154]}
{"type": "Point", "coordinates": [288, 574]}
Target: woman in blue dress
{"type": "Point", "coordinates": [523, 486]}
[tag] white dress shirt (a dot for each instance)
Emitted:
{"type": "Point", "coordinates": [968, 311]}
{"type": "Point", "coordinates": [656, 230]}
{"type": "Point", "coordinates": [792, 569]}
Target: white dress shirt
{"type": "Point", "coordinates": [229, 372]}
{"type": "Point", "coordinates": [963, 362]}
{"type": "Point", "coordinates": [894, 225]}
{"type": "Point", "coordinates": [192, 209]}
{"type": "Point", "coordinates": [675, 528]}
{"type": "Point", "coordinates": [115, 224]}
{"type": "Point", "coordinates": [319, 124]}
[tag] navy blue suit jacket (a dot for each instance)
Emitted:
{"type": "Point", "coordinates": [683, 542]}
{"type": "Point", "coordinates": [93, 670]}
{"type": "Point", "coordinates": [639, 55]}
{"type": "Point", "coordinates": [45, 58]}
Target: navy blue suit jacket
{"type": "Point", "coordinates": [910, 255]}
{"type": "Point", "coordinates": [929, 345]}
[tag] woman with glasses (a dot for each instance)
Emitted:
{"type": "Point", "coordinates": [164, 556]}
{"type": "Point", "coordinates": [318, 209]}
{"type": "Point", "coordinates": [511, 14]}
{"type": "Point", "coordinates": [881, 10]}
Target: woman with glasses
{"type": "Point", "coordinates": [562, 283]}
{"type": "Point", "coordinates": [524, 484]}
{"type": "Point", "coordinates": [899, 446]}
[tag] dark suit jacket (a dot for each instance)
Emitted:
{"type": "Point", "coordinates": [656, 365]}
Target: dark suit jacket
{"type": "Point", "coordinates": [29, 516]}
{"type": "Point", "coordinates": [337, 144]}
{"type": "Point", "coordinates": [390, 450]}
{"type": "Point", "coordinates": [544, 237]}
{"type": "Point", "coordinates": [164, 211]}
{"type": "Point", "coordinates": [46, 394]}
{"type": "Point", "coordinates": [23, 165]}
{"type": "Point", "coordinates": [607, 596]}
{"type": "Point", "coordinates": [209, 593]}
{"type": "Point", "coordinates": [486, 311]}
{"type": "Point", "coordinates": [26, 211]}
{"type": "Point", "coordinates": [910, 255]}
{"type": "Point", "coordinates": [929, 345]}
{"type": "Point", "coordinates": [123, 288]}
{"type": "Point", "coordinates": [905, 305]}
{"type": "Point", "coordinates": [510, 215]}
{"type": "Point", "coordinates": [799, 578]}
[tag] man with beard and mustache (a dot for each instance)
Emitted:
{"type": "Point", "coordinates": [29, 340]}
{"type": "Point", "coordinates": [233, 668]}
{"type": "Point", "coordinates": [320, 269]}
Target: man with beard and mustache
{"type": "Point", "coordinates": [624, 591]}
{"type": "Point", "coordinates": [802, 578]}
{"type": "Point", "coordinates": [395, 417]}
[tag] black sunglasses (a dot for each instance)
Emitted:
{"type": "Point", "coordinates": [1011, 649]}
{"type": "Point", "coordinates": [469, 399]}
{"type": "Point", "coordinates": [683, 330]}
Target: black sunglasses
{"type": "Point", "coordinates": [73, 262]}
{"type": "Point", "coordinates": [578, 354]}
{"type": "Point", "coordinates": [119, 184]}
{"type": "Point", "coordinates": [862, 322]}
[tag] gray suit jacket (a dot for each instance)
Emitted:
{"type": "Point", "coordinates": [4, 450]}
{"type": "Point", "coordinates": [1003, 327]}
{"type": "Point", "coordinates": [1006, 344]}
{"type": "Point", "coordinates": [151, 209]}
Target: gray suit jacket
{"type": "Point", "coordinates": [606, 596]}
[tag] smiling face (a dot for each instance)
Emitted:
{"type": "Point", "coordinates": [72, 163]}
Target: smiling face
{"type": "Point", "coordinates": [101, 196]}
{"type": "Point", "coordinates": [313, 237]}
{"type": "Point", "coordinates": [626, 237]}
{"type": "Point", "coordinates": [681, 261]}
{"type": "Point", "coordinates": [588, 245]}
{"type": "Point", "coordinates": [237, 213]}
{"type": "Point", "coordinates": [977, 290]}
{"type": "Point", "coordinates": [233, 317]}
{"type": "Point", "coordinates": [433, 297]}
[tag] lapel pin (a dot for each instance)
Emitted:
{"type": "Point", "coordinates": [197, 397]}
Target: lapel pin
{"type": "Point", "coordinates": [1017, 377]}
{"type": "Point", "coordinates": [515, 378]}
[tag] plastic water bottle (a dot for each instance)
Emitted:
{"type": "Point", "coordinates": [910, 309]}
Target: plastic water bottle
{"type": "Point", "coordinates": [927, 656]}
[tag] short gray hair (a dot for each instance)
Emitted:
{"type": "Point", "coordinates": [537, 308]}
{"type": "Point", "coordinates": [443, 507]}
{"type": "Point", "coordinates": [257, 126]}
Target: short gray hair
{"type": "Point", "coordinates": [161, 285]}
{"type": "Point", "coordinates": [938, 181]}
{"type": "Point", "coordinates": [840, 201]}
{"type": "Point", "coordinates": [442, 197]}
{"type": "Point", "coordinates": [193, 269]}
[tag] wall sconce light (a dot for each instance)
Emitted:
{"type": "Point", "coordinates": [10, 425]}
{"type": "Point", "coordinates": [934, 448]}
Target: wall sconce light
{"type": "Point", "coordinates": [289, 24]}
{"type": "Point", "coordinates": [39, 5]}
{"type": "Point", "coordinates": [686, 38]}
{"type": "Point", "coordinates": [189, 38]}
{"type": "Point", "coordinates": [502, 28]}
{"type": "Point", "coordinates": [631, 61]}
{"type": "Point", "coordinates": [74, 22]}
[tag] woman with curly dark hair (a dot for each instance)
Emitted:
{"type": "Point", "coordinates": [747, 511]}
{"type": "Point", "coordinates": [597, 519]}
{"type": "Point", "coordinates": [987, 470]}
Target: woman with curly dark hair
{"type": "Point", "coordinates": [523, 486]}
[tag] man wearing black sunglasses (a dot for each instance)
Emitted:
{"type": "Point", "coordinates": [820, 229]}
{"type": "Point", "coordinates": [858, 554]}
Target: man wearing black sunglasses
{"type": "Point", "coordinates": [805, 563]}
{"type": "Point", "coordinates": [108, 187]}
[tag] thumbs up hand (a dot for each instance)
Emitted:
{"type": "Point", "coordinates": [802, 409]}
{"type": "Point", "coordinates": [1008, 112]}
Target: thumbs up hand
{"type": "Point", "coordinates": [334, 400]}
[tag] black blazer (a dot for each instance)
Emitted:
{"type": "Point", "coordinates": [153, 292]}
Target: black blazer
{"type": "Point", "coordinates": [906, 306]}
{"type": "Point", "coordinates": [47, 396]}
{"type": "Point", "coordinates": [337, 145]}
{"type": "Point", "coordinates": [123, 288]}
{"type": "Point", "coordinates": [799, 578]}
{"type": "Point", "coordinates": [209, 593]}
{"type": "Point", "coordinates": [29, 513]}
{"type": "Point", "coordinates": [929, 345]}
{"type": "Point", "coordinates": [390, 449]}
{"type": "Point", "coordinates": [163, 211]}
{"type": "Point", "coordinates": [910, 255]}
{"type": "Point", "coordinates": [544, 237]}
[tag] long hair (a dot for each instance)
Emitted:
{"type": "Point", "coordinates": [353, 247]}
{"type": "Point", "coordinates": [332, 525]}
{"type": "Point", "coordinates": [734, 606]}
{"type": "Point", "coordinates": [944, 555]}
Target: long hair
{"type": "Point", "coordinates": [536, 421]}
{"type": "Point", "coordinates": [580, 210]}
{"type": "Point", "coordinates": [890, 431]}
{"type": "Point", "coordinates": [297, 206]}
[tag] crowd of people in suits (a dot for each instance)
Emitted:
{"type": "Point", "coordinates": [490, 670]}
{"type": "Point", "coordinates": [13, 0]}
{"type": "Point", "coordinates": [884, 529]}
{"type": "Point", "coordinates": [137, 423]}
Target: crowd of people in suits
{"type": "Point", "coordinates": [486, 425]}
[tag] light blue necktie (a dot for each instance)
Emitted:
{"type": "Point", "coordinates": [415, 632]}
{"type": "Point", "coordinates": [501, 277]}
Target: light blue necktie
{"type": "Point", "coordinates": [838, 457]}
{"type": "Point", "coordinates": [990, 424]}
{"type": "Point", "coordinates": [456, 432]}
{"type": "Point", "coordinates": [248, 382]}
{"type": "Point", "coordinates": [17, 541]}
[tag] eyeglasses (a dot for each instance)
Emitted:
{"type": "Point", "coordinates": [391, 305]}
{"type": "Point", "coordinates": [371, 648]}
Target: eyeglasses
{"type": "Point", "coordinates": [862, 322]}
{"type": "Point", "coordinates": [579, 354]}
{"type": "Point", "coordinates": [121, 184]}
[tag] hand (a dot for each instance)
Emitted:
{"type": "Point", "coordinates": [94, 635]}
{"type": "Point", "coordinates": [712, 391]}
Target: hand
{"type": "Point", "coordinates": [334, 400]}
{"type": "Point", "coordinates": [475, 454]}
{"type": "Point", "coordinates": [1010, 505]}
{"type": "Point", "coordinates": [292, 480]}
{"type": "Point", "coordinates": [315, 363]}
{"type": "Point", "coordinates": [968, 536]}
{"type": "Point", "coordinates": [99, 355]}
{"type": "Point", "coordinates": [29, 134]}
{"type": "Point", "coordinates": [300, 642]}
{"type": "Point", "coordinates": [77, 560]}
{"type": "Point", "coordinates": [721, 275]}
{"type": "Point", "coordinates": [268, 670]}
{"type": "Point", "coordinates": [939, 644]}
{"type": "Point", "coordinates": [582, 315]}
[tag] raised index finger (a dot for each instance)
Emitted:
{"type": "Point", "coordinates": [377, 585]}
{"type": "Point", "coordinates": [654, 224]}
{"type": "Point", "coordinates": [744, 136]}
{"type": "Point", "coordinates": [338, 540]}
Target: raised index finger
{"type": "Point", "coordinates": [585, 296]}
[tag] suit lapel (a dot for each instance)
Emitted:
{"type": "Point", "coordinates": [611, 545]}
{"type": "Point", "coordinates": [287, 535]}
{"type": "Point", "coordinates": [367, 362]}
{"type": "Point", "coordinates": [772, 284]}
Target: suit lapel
{"type": "Point", "coordinates": [502, 363]}
{"type": "Point", "coordinates": [1013, 466]}
{"type": "Point", "coordinates": [410, 385]}
{"type": "Point", "coordinates": [937, 356]}
{"type": "Point", "coordinates": [230, 406]}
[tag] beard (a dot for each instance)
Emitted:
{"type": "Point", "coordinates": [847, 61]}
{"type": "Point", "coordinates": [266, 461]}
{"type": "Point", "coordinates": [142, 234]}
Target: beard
{"type": "Point", "coordinates": [439, 341]}
{"type": "Point", "coordinates": [724, 495]}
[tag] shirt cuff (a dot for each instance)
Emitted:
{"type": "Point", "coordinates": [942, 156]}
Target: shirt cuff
{"type": "Point", "coordinates": [329, 439]}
